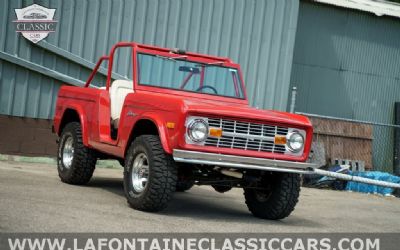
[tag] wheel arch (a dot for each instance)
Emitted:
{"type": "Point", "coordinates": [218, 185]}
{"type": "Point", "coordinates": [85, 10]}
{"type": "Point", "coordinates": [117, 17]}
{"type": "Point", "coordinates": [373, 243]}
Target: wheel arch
{"type": "Point", "coordinates": [72, 114]}
{"type": "Point", "coordinates": [148, 126]}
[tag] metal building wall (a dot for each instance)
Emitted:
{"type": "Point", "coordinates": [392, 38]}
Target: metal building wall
{"type": "Point", "coordinates": [258, 34]}
{"type": "Point", "coordinates": [347, 64]}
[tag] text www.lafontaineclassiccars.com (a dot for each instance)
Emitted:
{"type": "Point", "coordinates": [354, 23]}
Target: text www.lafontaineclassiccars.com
{"type": "Point", "coordinates": [82, 243]}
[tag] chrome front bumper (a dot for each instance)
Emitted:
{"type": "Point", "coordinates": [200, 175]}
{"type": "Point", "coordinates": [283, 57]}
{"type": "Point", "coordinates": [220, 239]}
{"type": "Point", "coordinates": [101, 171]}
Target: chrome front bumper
{"type": "Point", "coordinates": [232, 161]}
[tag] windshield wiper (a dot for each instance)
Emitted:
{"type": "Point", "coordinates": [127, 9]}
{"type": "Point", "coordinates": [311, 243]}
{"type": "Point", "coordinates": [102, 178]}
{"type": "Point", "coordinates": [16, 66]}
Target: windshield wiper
{"type": "Point", "coordinates": [171, 58]}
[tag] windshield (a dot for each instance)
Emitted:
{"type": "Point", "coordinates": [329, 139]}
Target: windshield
{"type": "Point", "coordinates": [180, 74]}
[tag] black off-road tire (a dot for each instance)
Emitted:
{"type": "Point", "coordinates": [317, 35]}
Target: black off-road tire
{"type": "Point", "coordinates": [162, 177]}
{"type": "Point", "coordinates": [84, 159]}
{"type": "Point", "coordinates": [182, 186]}
{"type": "Point", "coordinates": [278, 200]}
{"type": "Point", "coordinates": [221, 188]}
{"type": "Point", "coordinates": [185, 178]}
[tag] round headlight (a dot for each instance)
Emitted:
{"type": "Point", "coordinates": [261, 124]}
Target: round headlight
{"type": "Point", "coordinates": [295, 142]}
{"type": "Point", "coordinates": [198, 130]}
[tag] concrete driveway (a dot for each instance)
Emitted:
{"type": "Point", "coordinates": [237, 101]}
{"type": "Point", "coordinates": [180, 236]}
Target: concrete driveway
{"type": "Point", "coordinates": [33, 199]}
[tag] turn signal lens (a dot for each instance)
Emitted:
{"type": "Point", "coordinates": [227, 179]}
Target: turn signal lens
{"type": "Point", "coordinates": [171, 125]}
{"type": "Point", "coordinates": [280, 140]}
{"type": "Point", "coordinates": [216, 132]}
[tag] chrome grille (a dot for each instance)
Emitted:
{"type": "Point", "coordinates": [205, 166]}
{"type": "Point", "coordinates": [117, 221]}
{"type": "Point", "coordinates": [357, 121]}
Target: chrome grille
{"type": "Point", "coordinates": [246, 136]}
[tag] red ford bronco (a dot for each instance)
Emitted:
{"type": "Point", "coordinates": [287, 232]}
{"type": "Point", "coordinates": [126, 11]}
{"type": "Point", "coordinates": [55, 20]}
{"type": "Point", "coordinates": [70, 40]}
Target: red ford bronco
{"type": "Point", "coordinates": [182, 119]}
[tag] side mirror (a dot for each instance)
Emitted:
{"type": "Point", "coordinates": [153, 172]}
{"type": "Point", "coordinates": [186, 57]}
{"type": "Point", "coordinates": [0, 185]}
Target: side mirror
{"type": "Point", "coordinates": [192, 70]}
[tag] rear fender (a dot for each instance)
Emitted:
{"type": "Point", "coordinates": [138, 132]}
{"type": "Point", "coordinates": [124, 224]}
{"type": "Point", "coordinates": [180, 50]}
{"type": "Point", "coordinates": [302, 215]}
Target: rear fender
{"type": "Point", "coordinates": [83, 121]}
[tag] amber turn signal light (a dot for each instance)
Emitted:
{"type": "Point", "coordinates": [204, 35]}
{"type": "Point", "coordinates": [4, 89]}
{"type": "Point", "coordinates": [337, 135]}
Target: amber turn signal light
{"type": "Point", "coordinates": [280, 140]}
{"type": "Point", "coordinates": [170, 124]}
{"type": "Point", "coordinates": [216, 132]}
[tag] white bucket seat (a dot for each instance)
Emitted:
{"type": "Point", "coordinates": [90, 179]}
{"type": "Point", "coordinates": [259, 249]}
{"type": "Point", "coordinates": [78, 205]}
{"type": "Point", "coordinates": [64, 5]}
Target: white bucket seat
{"type": "Point", "coordinates": [118, 91]}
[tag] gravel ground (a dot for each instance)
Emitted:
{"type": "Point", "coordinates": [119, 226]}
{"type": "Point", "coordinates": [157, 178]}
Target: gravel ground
{"type": "Point", "coordinates": [33, 199]}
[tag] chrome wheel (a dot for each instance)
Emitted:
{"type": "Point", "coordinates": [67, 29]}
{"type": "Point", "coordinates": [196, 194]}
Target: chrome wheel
{"type": "Point", "coordinates": [68, 152]}
{"type": "Point", "coordinates": [140, 172]}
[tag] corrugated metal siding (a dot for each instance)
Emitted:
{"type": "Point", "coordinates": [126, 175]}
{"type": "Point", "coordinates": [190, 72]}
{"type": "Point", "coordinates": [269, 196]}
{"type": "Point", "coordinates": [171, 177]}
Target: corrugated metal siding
{"type": "Point", "coordinates": [347, 64]}
{"type": "Point", "coordinates": [348, 60]}
{"type": "Point", "coordinates": [258, 34]}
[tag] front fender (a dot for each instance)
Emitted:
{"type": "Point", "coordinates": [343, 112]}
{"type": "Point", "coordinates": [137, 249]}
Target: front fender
{"type": "Point", "coordinates": [163, 132]}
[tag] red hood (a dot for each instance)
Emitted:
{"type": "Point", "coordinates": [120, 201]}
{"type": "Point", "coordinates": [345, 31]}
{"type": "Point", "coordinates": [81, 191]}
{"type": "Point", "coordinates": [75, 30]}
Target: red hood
{"type": "Point", "coordinates": [217, 108]}
{"type": "Point", "coordinates": [177, 107]}
{"type": "Point", "coordinates": [243, 111]}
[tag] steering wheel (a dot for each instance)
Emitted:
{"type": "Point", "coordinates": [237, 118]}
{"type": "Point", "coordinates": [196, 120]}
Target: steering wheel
{"type": "Point", "coordinates": [207, 87]}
